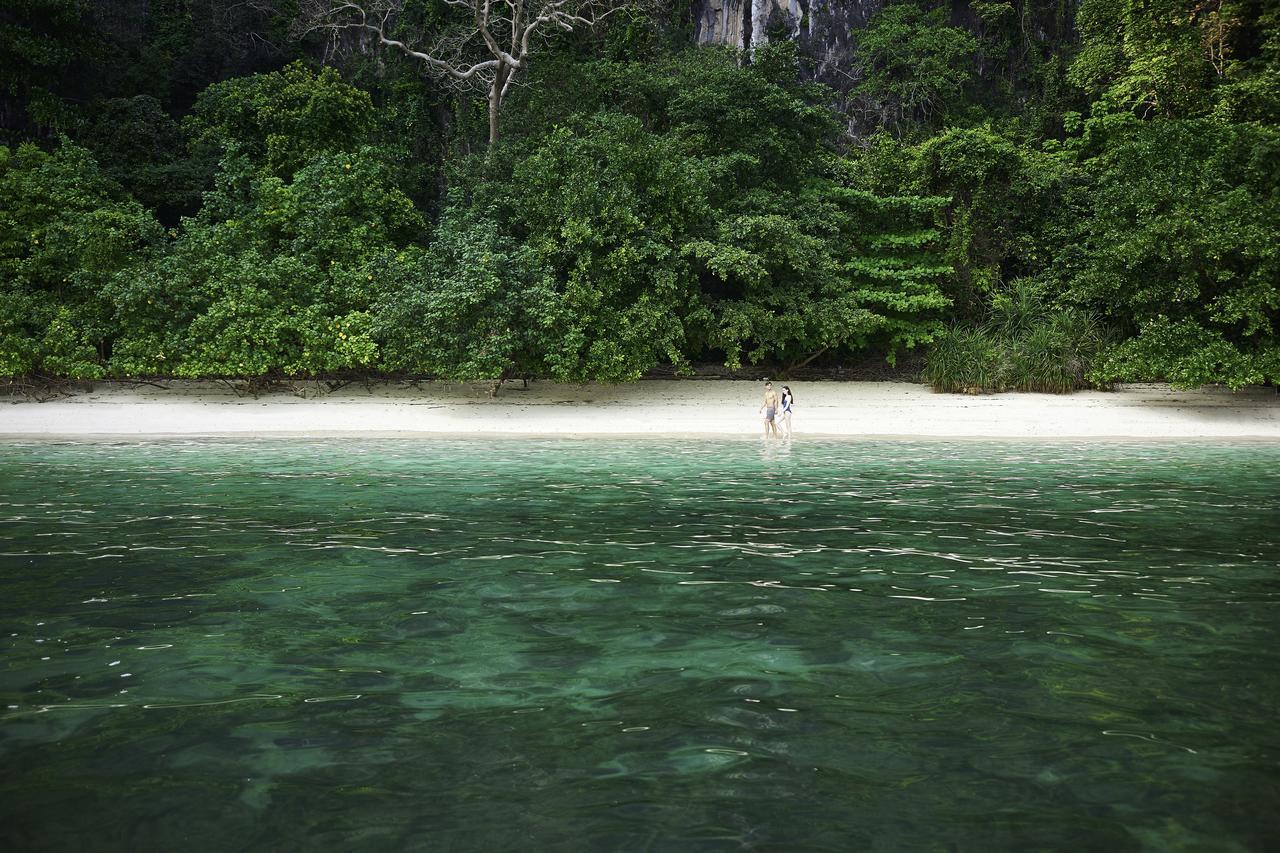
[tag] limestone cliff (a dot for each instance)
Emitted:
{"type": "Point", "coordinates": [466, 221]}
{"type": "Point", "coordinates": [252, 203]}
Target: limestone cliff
{"type": "Point", "coordinates": [821, 27]}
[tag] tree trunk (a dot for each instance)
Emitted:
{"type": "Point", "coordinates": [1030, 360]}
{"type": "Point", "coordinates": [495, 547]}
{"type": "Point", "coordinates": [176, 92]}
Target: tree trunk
{"type": "Point", "coordinates": [495, 101]}
{"type": "Point", "coordinates": [805, 363]}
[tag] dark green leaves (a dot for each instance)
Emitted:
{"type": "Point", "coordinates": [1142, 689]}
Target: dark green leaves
{"type": "Point", "coordinates": [65, 230]}
{"type": "Point", "coordinates": [1180, 241]}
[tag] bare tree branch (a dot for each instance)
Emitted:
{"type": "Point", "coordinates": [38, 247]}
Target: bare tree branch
{"type": "Point", "coordinates": [468, 54]}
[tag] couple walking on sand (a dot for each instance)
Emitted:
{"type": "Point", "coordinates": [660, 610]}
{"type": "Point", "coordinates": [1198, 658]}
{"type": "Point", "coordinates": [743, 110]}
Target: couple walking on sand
{"type": "Point", "coordinates": [776, 409]}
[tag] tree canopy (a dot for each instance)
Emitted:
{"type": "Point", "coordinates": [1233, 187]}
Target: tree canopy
{"type": "Point", "coordinates": [1038, 195]}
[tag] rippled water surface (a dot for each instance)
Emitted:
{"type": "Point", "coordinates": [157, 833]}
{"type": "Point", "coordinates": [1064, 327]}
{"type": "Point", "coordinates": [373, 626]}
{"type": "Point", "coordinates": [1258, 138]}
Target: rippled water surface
{"type": "Point", "coordinates": [559, 645]}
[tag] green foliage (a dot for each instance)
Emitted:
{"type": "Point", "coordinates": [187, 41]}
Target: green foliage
{"type": "Point", "coordinates": [1026, 343]}
{"type": "Point", "coordinates": [1178, 59]}
{"type": "Point", "coordinates": [792, 257]}
{"type": "Point", "coordinates": [412, 123]}
{"type": "Point", "coordinates": [915, 65]}
{"type": "Point", "coordinates": [1162, 227]}
{"type": "Point", "coordinates": [710, 216]}
{"type": "Point", "coordinates": [754, 125]}
{"type": "Point", "coordinates": [278, 272]}
{"type": "Point", "coordinates": [65, 229]}
{"type": "Point", "coordinates": [607, 209]}
{"type": "Point", "coordinates": [140, 147]}
{"type": "Point", "coordinates": [1187, 354]}
{"type": "Point", "coordinates": [39, 42]}
{"type": "Point", "coordinates": [987, 185]}
{"type": "Point", "coordinates": [476, 306]}
{"type": "Point", "coordinates": [965, 359]}
{"type": "Point", "coordinates": [825, 268]}
{"type": "Point", "coordinates": [271, 277]}
{"type": "Point", "coordinates": [284, 119]}
{"type": "Point", "coordinates": [1019, 308]}
{"type": "Point", "coordinates": [1178, 236]}
{"type": "Point", "coordinates": [1001, 201]}
{"type": "Point", "coordinates": [569, 267]}
{"type": "Point", "coordinates": [675, 209]}
{"type": "Point", "coordinates": [1143, 55]}
{"type": "Point", "coordinates": [1054, 356]}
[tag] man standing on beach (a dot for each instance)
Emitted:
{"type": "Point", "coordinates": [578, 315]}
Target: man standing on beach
{"type": "Point", "coordinates": [770, 409]}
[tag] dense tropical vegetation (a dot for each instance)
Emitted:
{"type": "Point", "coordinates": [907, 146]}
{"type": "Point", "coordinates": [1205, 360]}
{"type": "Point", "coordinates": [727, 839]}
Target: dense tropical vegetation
{"type": "Point", "coordinates": [1041, 195]}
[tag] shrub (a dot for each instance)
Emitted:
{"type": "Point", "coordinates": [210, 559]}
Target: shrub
{"type": "Point", "coordinates": [1177, 240]}
{"type": "Point", "coordinates": [1054, 354]}
{"type": "Point", "coordinates": [271, 277]}
{"type": "Point", "coordinates": [966, 359]}
{"type": "Point", "coordinates": [1187, 355]}
{"type": "Point", "coordinates": [65, 229]}
{"type": "Point", "coordinates": [1023, 345]}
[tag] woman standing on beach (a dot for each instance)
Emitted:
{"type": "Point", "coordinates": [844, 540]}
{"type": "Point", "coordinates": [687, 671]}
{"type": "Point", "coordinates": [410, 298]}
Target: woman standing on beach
{"type": "Point", "coordinates": [785, 415]}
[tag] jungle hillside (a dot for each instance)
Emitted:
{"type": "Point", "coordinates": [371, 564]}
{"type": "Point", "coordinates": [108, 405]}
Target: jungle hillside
{"type": "Point", "coordinates": [1036, 195]}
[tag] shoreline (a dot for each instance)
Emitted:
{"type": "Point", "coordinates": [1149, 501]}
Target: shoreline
{"type": "Point", "coordinates": [28, 439]}
{"type": "Point", "coordinates": [655, 408]}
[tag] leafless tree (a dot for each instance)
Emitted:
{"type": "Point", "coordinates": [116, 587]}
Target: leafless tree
{"type": "Point", "coordinates": [486, 50]}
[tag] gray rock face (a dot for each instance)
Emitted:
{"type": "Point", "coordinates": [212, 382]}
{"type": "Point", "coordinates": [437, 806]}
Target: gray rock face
{"type": "Point", "coordinates": [719, 22]}
{"type": "Point", "coordinates": [821, 27]}
{"type": "Point", "coordinates": [823, 30]}
{"type": "Point", "coordinates": [747, 23]}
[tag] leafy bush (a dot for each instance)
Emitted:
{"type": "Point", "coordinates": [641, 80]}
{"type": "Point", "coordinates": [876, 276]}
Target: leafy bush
{"type": "Point", "coordinates": [915, 65]}
{"type": "Point", "coordinates": [1054, 355]}
{"type": "Point", "coordinates": [283, 120]}
{"type": "Point", "coordinates": [476, 305]}
{"type": "Point", "coordinates": [1177, 240]}
{"type": "Point", "coordinates": [65, 230]}
{"type": "Point", "coordinates": [140, 147]}
{"type": "Point", "coordinates": [569, 266]}
{"type": "Point", "coordinates": [271, 277]}
{"type": "Point", "coordinates": [608, 210]}
{"type": "Point", "coordinates": [965, 359]}
{"type": "Point", "coordinates": [1187, 355]}
{"type": "Point", "coordinates": [1025, 344]}
{"type": "Point", "coordinates": [1000, 212]}
{"type": "Point", "coordinates": [708, 216]}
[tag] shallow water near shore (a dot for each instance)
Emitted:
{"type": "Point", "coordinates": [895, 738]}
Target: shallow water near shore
{"type": "Point", "coordinates": [349, 644]}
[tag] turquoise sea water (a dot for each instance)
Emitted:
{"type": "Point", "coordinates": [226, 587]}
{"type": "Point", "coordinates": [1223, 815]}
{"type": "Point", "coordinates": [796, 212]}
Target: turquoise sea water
{"type": "Point", "coordinates": [607, 645]}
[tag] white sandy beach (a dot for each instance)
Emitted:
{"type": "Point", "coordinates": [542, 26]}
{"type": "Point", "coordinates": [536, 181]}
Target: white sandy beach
{"type": "Point", "coordinates": [652, 407]}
